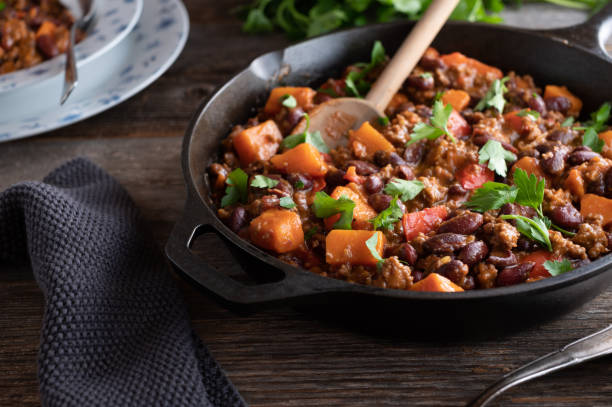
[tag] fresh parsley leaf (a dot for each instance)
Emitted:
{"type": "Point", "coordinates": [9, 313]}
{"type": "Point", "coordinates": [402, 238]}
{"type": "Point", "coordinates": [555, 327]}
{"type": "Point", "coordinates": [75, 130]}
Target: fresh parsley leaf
{"type": "Point", "coordinates": [287, 202]}
{"type": "Point", "coordinates": [384, 121]}
{"type": "Point", "coordinates": [325, 206]}
{"type": "Point", "coordinates": [314, 139]}
{"type": "Point", "coordinates": [494, 96]}
{"type": "Point", "coordinates": [355, 82]}
{"type": "Point", "coordinates": [371, 244]}
{"type": "Point", "coordinates": [426, 75]}
{"type": "Point", "coordinates": [389, 217]}
{"type": "Point", "coordinates": [2, 5]}
{"type": "Point", "coordinates": [288, 101]}
{"type": "Point", "coordinates": [405, 190]}
{"type": "Point", "coordinates": [532, 114]}
{"type": "Point", "coordinates": [556, 268]}
{"type": "Point", "coordinates": [378, 54]}
{"type": "Point", "coordinates": [535, 229]}
{"type": "Point", "coordinates": [600, 117]}
{"type": "Point", "coordinates": [591, 139]}
{"type": "Point", "coordinates": [438, 127]}
{"type": "Point", "coordinates": [568, 122]}
{"type": "Point", "coordinates": [236, 188]}
{"type": "Point", "coordinates": [299, 184]}
{"type": "Point", "coordinates": [496, 155]}
{"type": "Point", "coordinates": [530, 189]}
{"type": "Point", "coordinates": [311, 232]}
{"type": "Point", "coordinates": [257, 22]}
{"type": "Point", "coordinates": [261, 181]}
{"type": "Point", "coordinates": [492, 195]}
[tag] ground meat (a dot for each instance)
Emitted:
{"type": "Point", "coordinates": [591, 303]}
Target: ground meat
{"type": "Point", "coordinates": [433, 192]}
{"type": "Point", "coordinates": [554, 198]}
{"type": "Point", "coordinates": [593, 238]}
{"type": "Point", "coordinates": [563, 247]}
{"type": "Point", "coordinates": [500, 234]}
{"type": "Point", "coordinates": [401, 127]}
{"type": "Point", "coordinates": [485, 274]}
{"type": "Point", "coordinates": [393, 274]}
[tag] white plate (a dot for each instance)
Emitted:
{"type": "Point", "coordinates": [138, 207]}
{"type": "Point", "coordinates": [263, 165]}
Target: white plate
{"type": "Point", "coordinates": [114, 19]}
{"type": "Point", "coordinates": [143, 56]}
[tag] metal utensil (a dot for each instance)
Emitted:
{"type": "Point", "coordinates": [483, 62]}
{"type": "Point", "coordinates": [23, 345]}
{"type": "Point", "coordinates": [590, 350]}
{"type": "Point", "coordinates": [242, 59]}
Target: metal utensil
{"type": "Point", "coordinates": [84, 14]}
{"type": "Point", "coordinates": [587, 348]}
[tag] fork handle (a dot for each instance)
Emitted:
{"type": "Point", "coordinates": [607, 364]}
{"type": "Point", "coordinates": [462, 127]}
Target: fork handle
{"type": "Point", "coordinates": [71, 77]}
{"type": "Point", "coordinates": [587, 348]}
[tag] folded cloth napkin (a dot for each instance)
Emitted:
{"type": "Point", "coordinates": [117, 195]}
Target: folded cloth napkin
{"type": "Point", "coordinates": [115, 329]}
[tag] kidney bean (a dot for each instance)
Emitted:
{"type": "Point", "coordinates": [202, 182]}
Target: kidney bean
{"type": "Point", "coordinates": [564, 135]}
{"type": "Point", "coordinates": [514, 274]}
{"type": "Point", "coordinates": [379, 202]}
{"type": "Point", "coordinates": [423, 111]}
{"type": "Point", "coordinates": [47, 46]}
{"type": "Point", "coordinates": [363, 167]}
{"type": "Point", "coordinates": [537, 103]}
{"type": "Point", "coordinates": [283, 188]}
{"type": "Point", "coordinates": [414, 153]}
{"type": "Point", "coordinates": [420, 82]}
{"type": "Point", "coordinates": [502, 259]}
{"type": "Point", "coordinates": [407, 253]}
{"type": "Point", "coordinates": [294, 116]}
{"type": "Point", "coordinates": [417, 275]}
{"type": "Point", "coordinates": [431, 63]}
{"type": "Point", "coordinates": [373, 184]}
{"type": "Point", "coordinates": [566, 216]}
{"type": "Point", "coordinates": [238, 219]}
{"type": "Point", "coordinates": [456, 191]}
{"type": "Point", "coordinates": [395, 159]}
{"type": "Point", "coordinates": [382, 158]}
{"type": "Point", "coordinates": [321, 97]}
{"type": "Point", "coordinates": [581, 155]}
{"type": "Point", "coordinates": [608, 182]}
{"type": "Point", "coordinates": [454, 270]}
{"type": "Point", "coordinates": [526, 245]}
{"type": "Point", "coordinates": [481, 139]}
{"type": "Point", "coordinates": [516, 209]}
{"type": "Point", "coordinates": [474, 252]}
{"type": "Point", "coordinates": [464, 224]}
{"type": "Point", "coordinates": [577, 263]}
{"type": "Point", "coordinates": [445, 242]}
{"type": "Point", "coordinates": [334, 178]}
{"type": "Point", "coordinates": [299, 181]}
{"type": "Point", "coordinates": [597, 186]}
{"type": "Point", "coordinates": [553, 161]}
{"type": "Point", "coordinates": [269, 202]}
{"type": "Point", "coordinates": [405, 172]}
{"type": "Point", "coordinates": [559, 103]}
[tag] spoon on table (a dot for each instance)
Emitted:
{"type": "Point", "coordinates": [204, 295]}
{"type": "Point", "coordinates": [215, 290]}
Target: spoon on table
{"type": "Point", "coordinates": [84, 14]}
{"type": "Point", "coordinates": [590, 347]}
{"type": "Point", "coordinates": [336, 116]}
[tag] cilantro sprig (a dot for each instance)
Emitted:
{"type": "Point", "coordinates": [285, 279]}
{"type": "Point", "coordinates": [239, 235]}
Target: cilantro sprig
{"type": "Point", "coordinates": [556, 267]}
{"type": "Point", "coordinates": [325, 206]}
{"type": "Point", "coordinates": [404, 189]}
{"type": "Point", "coordinates": [287, 203]}
{"type": "Point", "coordinates": [532, 114]}
{"type": "Point", "coordinates": [389, 217]}
{"type": "Point", "coordinates": [535, 229]}
{"type": "Point", "coordinates": [355, 82]}
{"type": "Point", "coordinates": [306, 136]}
{"type": "Point", "coordinates": [288, 101]}
{"type": "Point", "coordinates": [261, 181]}
{"type": "Point", "coordinates": [598, 121]}
{"type": "Point", "coordinates": [371, 244]}
{"type": "Point", "coordinates": [492, 195]}
{"type": "Point", "coordinates": [496, 155]}
{"type": "Point", "coordinates": [494, 96]}
{"type": "Point", "coordinates": [236, 188]}
{"type": "Point", "coordinates": [438, 127]}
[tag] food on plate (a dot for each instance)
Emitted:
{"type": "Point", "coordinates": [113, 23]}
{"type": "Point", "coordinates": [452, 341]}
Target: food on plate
{"type": "Point", "coordinates": [32, 32]}
{"type": "Point", "coordinates": [475, 179]}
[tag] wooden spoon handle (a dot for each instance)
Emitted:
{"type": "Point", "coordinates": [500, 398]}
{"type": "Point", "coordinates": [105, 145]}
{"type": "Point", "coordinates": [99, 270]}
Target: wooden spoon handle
{"type": "Point", "coordinates": [409, 53]}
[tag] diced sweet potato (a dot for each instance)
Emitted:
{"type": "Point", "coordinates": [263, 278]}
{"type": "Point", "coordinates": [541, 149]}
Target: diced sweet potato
{"type": "Point", "coordinates": [474, 175]}
{"type": "Point", "coordinates": [349, 246]}
{"type": "Point", "coordinates": [458, 126]}
{"type": "Point", "coordinates": [278, 230]}
{"type": "Point", "coordinates": [436, 283]}
{"type": "Point", "coordinates": [514, 121]}
{"type": "Point", "coordinates": [46, 28]}
{"type": "Point", "coordinates": [371, 139]}
{"type": "Point", "coordinates": [303, 96]}
{"type": "Point", "coordinates": [362, 213]}
{"type": "Point", "coordinates": [458, 99]}
{"type": "Point", "coordinates": [531, 166]}
{"type": "Point", "coordinates": [606, 136]}
{"type": "Point", "coordinates": [351, 175]}
{"type": "Point", "coordinates": [258, 142]}
{"type": "Point", "coordinates": [423, 221]}
{"type": "Point", "coordinates": [552, 91]}
{"type": "Point", "coordinates": [538, 257]}
{"type": "Point", "coordinates": [304, 158]}
{"type": "Point", "coordinates": [575, 183]}
{"type": "Point", "coordinates": [457, 59]}
{"type": "Point", "coordinates": [591, 204]}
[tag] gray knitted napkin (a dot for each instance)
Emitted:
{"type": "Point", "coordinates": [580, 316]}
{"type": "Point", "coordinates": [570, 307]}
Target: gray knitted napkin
{"type": "Point", "coordinates": [115, 329]}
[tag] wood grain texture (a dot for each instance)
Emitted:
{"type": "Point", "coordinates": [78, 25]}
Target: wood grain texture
{"type": "Point", "coordinates": [280, 357]}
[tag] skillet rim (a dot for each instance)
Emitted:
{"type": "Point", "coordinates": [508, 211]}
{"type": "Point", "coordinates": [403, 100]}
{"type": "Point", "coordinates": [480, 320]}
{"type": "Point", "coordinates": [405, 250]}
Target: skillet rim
{"type": "Point", "coordinates": [194, 197]}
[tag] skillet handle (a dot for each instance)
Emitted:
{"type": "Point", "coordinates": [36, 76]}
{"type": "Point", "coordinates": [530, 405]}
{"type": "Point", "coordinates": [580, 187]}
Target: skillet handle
{"type": "Point", "coordinates": [292, 287]}
{"type": "Point", "coordinates": [590, 35]}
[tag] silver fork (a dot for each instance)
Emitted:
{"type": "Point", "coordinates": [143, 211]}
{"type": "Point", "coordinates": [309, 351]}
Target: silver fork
{"type": "Point", "coordinates": [85, 14]}
{"type": "Point", "coordinates": [587, 348]}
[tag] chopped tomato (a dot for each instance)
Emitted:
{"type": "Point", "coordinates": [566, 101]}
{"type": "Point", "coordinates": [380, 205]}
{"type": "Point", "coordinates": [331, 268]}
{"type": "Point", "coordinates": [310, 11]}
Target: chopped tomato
{"type": "Point", "coordinates": [423, 221]}
{"type": "Point", "coordinates": [458, 126]}
{"type": "Point", "coordinates": [318, 184]}
{"type": "Point", "coordinates": [513, 121]}
{"type": "Point", "coordinates": [538, 257]}
{"type": "Point", "coordinates": [474, 175]}
{"type": "Point", "coordinates": [351, 175]}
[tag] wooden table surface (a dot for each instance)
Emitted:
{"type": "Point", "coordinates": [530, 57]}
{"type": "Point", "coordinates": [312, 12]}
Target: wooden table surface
{"type": "Point", "coordinates": [279, 357]}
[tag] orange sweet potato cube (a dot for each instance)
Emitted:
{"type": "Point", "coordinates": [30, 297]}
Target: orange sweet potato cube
{"type": "Point", "coordinates": [591, 204]}
{"type": "Point", "coordinates": [362, 213]}
{"type": "Point", "coordinates": [371, 139]}
{"type": "Point", "coordinates": [304, 158]}
{"type": "Point", "coordinates": [349, 246]}
{"type": "Point", "coordinates": [436, 283]}
{"type": "Point", "coordinates": [554, 91]}
{"type": "Point", "coordinates": [457, 59]}
{"type": "Point", "coordinates": [278, 230]}
{"type": "Point", "coordinates": [458, 99]}
{"type": "Point", "coordinates": [258, 142]}
{"type": "Point", "coordinates": [303, 96]}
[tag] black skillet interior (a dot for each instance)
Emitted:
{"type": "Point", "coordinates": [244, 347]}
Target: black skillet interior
{"type": "Point", "coordinates": [579, 64]}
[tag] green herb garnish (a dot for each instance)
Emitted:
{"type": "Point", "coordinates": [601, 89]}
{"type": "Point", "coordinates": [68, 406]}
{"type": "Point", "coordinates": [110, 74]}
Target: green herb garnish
{"type": "Point", "coordinates": [371, 244]}
{"type": "Point", "coordinates": [532, 114]}
{"type": "Point", "coordinates": [384, 121]}
{"type": "Point", "coordinates": [287, 202]}
{"type": "Point", "coordinates": [591, 139]}
{"type": "Point", "coordinates": [494, 96]}
{"type": "Point", "coordinates": [236, 188]}
{"type": "Point", "coordinates": [598, 121]}
{"type": "Point", "coordinates": [426, 75]}
{"type": "Point", "coordinates": [288, 101]}
{"type": "Point", "coordinates": [405, 190]}
{"type": "Point", "coordinates": [355, 82]}
{"type": "Point", "coordinates": [556, 268]}
{"type": "Point", "coordinates": [325, 206]}
{"type": "Point", "coordinates": [438, 126]}
{"type": "Point", "coordinates": [568, 122]}
{"type": "Point", "coordinates": [389, 217]}
{"type": "Point", "coordinates": [311, 232]}
{"type": "Point", "coordinates": [261, 181]}
{"type": "Point", "coordinates": [492, 195]}
{"type": "Point", "coordinates": [314, 139]}
{"type": "Point", "coordinates": [535, 229]}
{"type": "Point", "coordinates": [496, 155]}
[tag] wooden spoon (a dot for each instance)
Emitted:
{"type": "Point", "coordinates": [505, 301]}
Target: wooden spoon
{"type": "Point", "coordinates": [335, 117]}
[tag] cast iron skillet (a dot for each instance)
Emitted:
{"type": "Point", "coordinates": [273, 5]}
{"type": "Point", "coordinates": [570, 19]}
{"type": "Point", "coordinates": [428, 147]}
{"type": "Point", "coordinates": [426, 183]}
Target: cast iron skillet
{"type": "Point", "coordinates": [572, 56]}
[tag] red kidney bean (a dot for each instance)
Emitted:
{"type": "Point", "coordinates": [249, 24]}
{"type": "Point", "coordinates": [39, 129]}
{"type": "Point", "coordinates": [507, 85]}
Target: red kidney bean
{"type": "Point", "coordinates": [382, 158]}
{"type": "Point", "coordinates": [502, 259]}
{"type": "Point", "coordinates": [474, 252]}
{"type": "Point", "coordinates": [577, 263]}
{"type": "Point", "coordinates": [404, 107]}
{"type": "Point", "coordinates": [334, 178]}
{"type": "Point", "coordinates": [238, 219]}
{"type": "Point", "coordinates": [445, 242]}
{"type": "Point", "coordinates": [579, 156]}
{"type": "Point", "coordinates": [420, 82]}
{"type": "Point", "coordinates": [481, 139]}
{"type": "Point", "coordinates": [395, 159]}
{"type": "Point", "coordinates": [414, 153]}
{"type": "Point", "coordinates": [373, 184]}
{"type": "Point", "coordinates": [454, 270]}
{"type": "Point", "coordinates": [417, 275]}
{"type": "Point", "coordinates": [456, 191]}
{"type": "Point", "coordinates": [514, 274]}
{"type": "Point", "coordinates": [404, 172]}
{"type": "Point", "coordinates": [526, 245]}
{"type": "Point", "coordinates": [321, 97]}
{"type": "Point", "coordinates": [559, 103]}
{"type": "Point", "coordinates": [294, 116]}
{"type": "Point", "coordinates": [283, 188]}
{"type": "Point", "coordinates": [431, 63]}
{"type": "Point", "coordinates": [407, 253]}
{"type": "Point", "coordinates": [516, 209]}
{"type": "Point", "coordinates": [423, 111]}
{"type": "Point", "coordinates": [269, 202]}
{"type": "Point", "coordinates": [464, 224]}
{"type": "Point", "coordinates": [597, 186]}
{"type": "Point", "coordinates": [553, 157]}
{"type": "Point", "coordinates": [537, 103]}
{"type": "Point", "coordinates": [608, 182]}
{"type": "Point", "coordinates": [363, 167]}
{"type": "Point", "coordinates": [299, 181]}
{"type": "Point", "coordinates": [564, 135]}
{"type": "Point", "coordinates": [379, 202]}
{"type": "Point", "coordinates": [47, 45]}
{"type": "Point", "coordinates": [566, 216]}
